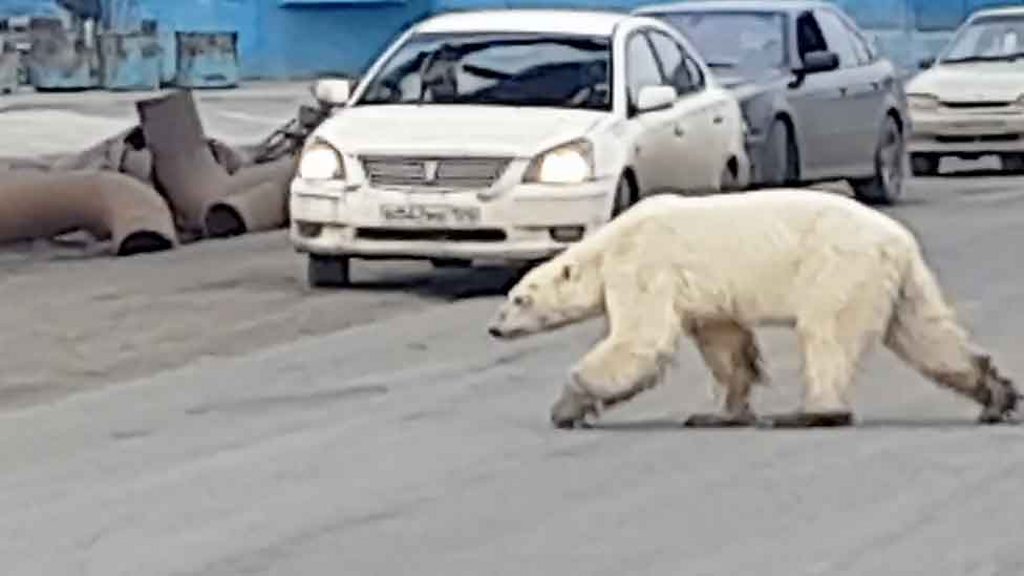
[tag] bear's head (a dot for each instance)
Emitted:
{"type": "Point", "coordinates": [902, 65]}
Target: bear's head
{"type": "Point", "coordinates": [558, 292]}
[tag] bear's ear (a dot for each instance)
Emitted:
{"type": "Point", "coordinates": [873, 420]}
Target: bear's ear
{"type": "Point", "coordinates": [569, 271]}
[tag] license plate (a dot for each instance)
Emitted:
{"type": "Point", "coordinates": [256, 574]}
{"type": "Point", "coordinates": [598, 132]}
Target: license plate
{"type": "Point", "coordinates": [432, 214]}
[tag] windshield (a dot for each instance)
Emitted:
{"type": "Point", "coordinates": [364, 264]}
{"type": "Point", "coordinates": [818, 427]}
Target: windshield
{"type": "Point", "coordinates": [496, 69]}
{"type": "Point", "coordinates": [993, 38]}
{"type": "Point", "coordinates": [743, 43]}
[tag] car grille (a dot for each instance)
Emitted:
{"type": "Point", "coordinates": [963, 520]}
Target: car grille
{"type": "Point", "coordinates": [434, 172]}
{"type": "Point", "coordinates": [946, 139]}
{"type": "Point", "coordinates": [971, 105]}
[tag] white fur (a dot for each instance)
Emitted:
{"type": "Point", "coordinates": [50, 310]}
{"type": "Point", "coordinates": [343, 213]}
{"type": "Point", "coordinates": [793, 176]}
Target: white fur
{"type": "Point", "coordinates": [843, 275]}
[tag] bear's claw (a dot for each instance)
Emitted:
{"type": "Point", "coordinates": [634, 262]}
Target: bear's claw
{"type": "Point", "coordinates": [571, 410]}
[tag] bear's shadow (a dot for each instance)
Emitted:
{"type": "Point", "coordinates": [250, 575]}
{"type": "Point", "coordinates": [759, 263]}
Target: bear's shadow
{"type": "Point", "coordinates": [675, 425]}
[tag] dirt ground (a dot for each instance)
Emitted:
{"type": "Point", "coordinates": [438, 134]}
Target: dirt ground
{"type": "Point", "coordinates": [75, 319]}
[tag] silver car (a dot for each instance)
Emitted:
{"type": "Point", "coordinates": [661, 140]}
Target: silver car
{"type": "Point", "coordinates": [820, 102]}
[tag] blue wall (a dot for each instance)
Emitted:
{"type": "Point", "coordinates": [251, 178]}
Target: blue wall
{"type": "Point", "coordinates": [305, 38]}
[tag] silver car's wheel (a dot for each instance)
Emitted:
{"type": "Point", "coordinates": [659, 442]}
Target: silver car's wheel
{"type": "Point", "coordinates": [886, 186]}
{"type": "Point", "coordinates": [781, 157]}
{"type": "Point", "coordinates": [327, 271]}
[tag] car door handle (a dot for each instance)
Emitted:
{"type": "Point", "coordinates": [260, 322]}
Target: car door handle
{"type": "Point", "coordinates": [679, 131]}
{"type": "Point", "coordinates": [842, 91]}
{"type": "Point", "coordinates": [718, 119]}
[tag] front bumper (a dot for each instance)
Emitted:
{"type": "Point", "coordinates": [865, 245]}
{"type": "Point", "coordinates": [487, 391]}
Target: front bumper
{"type": "Point", "coordinates": [515, 225]}
{"type": "Point", "coordinates": [972, 131]}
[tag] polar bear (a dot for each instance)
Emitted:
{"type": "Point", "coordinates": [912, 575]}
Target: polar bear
{"type": "Point", "coordinates": [841, 274]}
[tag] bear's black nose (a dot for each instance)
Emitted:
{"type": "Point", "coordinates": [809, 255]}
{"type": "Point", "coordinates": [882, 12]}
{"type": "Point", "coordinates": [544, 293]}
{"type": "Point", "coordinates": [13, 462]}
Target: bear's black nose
{"type": "Point", "coordinates": [494, 331]}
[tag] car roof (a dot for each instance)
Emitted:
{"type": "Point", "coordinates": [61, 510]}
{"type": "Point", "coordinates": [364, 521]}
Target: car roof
{"type": "Point", "coordinates": [552, 21]}
{"type": "Point", "coordinates": [734, 6]}
{"type": "Point", "coordinates": [999, 11]}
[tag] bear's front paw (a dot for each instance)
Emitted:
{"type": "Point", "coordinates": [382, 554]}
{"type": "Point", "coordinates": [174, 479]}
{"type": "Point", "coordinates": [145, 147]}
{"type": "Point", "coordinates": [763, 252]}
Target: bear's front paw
{"type": "Point", "coordinates": [572, 409]}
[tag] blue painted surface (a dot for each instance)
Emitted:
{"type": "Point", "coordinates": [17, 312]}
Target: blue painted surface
{"type": "Point", "coordinates": [206, 59]}
{"type": "Point", "coordinates": [129, 61]}
{"type": "Point", "coordinates": [306, 38]}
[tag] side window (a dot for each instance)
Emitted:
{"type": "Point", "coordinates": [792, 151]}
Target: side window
{"type": "Point", "coordinates": [860, 43]}
{"type": "Point", "coordinates": [838, 38]}
{"type": "Point", "coordinates": [808, 35]}
{"type": "Point", "coordinates": [679, 69]}
{"type": "Point", "coordinates": [641, 67]}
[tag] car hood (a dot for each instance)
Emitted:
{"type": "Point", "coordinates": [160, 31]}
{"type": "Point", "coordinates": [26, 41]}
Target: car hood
{"type": "Point", "coordinates": [455, 130]}
{"type": "Point", "coordinates": [976, 82]}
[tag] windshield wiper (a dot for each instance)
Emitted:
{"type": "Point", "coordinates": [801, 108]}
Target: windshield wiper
{"type": "Point", "coordinates": [979, 58]}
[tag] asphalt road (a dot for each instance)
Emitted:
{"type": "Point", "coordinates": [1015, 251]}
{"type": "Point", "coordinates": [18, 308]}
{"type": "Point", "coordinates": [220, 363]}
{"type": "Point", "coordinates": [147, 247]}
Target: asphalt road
{"type": "Point", "coordinates": [201, 412]}
{"type": "Point", "coordinates": [410, 443]}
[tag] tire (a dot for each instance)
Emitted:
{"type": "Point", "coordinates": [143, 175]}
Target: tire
{"type": "Point", "coordinates": [727, 180]}
{"type": "Point", "coordinates": [886, 186]}
{"type": "Point", "coordinates": [781, 157]}
{"type": "Point", "coordinates": [925, 164]}
{"type": "Point", "coordinates": [328, 271]}
{"type": "Point", "coordinates": [625, 196]}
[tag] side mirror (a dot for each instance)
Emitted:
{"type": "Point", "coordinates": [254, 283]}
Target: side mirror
{"type": "Point", "coordinates": [820, 61]}
{"type": "Point", "coordinates": [655, 98]}
{"type": "Point", "coordinates": [332, 92]}
{"type": "Point", "coordinates": [926, 63]}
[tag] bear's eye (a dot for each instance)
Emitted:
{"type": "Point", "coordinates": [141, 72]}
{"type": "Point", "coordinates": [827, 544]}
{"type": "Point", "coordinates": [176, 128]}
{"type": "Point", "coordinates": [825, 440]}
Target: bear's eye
{"type": "Point", "coordinates": [522, 301]}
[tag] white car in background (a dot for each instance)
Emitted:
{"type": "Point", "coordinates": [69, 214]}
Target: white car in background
{"type": "Point", "coordinates": [503, 136]}
{"type": "Point", "coordinates": [970, 101]}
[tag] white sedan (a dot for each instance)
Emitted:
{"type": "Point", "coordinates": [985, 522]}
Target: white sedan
{"type": "Point", "coordinates": [503, 136]}
{"type": "Point", "coordinates": [970, 101]}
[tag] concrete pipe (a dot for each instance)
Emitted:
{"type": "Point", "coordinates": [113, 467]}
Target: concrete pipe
{"type": "Point", "coordinates": [138, 164]}
{"type": "Point", "coordinates": [258, 200]}
{"type": "Point", "coordinates": [184, 167]}
{"type": "Point", "coordinates": [110, 206]}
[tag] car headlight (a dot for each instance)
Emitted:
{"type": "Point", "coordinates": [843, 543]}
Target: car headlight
{"type": "Point", "coordinates": [570, 163]}
{"type": "Point", "coordinates": [320, 161]}
{"type": "Point", "coordinates": [922, 101]}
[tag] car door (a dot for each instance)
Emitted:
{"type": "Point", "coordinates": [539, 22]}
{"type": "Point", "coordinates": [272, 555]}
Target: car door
{"type": "Point", "coordinates": [657, 138]}
{"type": "Point", "coordinates": [862, 92]}
{"type": "Point", "coordinates": [700, 127]}
{"type": "Point", "coordinates": [876, 79]}
{"type": "Point", "coordinates": [820, 108]}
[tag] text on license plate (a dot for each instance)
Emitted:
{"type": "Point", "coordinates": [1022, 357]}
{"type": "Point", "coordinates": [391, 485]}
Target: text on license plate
{"type": "Point", "coordinates": [430, 214]}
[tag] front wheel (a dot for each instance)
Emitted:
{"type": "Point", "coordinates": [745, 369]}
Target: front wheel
{"type": "Point", "coordinates": [781, 157]}
{"type": "Point", "coordinates": [328, 271]}
{"type": "Point", "coordinates": [886, 186]}
{"type": "Point", "coordinates": [625, 196]}
{"type": "Point", "coordinates": [728, 180]}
